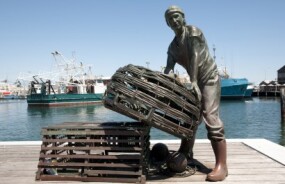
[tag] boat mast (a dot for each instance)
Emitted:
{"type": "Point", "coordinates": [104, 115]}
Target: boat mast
{"type": "Point", "coordinates": [214, 49]}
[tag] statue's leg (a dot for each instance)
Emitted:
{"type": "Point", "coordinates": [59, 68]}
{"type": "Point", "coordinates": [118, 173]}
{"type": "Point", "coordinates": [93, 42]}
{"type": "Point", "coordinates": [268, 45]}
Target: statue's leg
{"type": "Point", "coordinates": [220, 172]}
{"type": "Point", "coordinates": [186, 146]}
{"type": "Point", "coordinates": [215, 127]}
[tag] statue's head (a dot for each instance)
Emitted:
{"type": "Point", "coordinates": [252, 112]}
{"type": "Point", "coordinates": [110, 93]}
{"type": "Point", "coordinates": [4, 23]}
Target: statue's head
{"type": "Point", "coordinates": [174, 10]}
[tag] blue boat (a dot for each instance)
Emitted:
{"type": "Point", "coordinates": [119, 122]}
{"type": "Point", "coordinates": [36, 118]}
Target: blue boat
{"type": "Point", "coordinates": [234, 88]}
{"type": "Point", "coordinates": [231, 88]}
{"type": "Point", "coordinates": [249, 90]}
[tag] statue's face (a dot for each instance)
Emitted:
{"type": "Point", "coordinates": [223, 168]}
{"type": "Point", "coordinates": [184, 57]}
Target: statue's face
{"type": "Point", "coordinates": [175, 21]}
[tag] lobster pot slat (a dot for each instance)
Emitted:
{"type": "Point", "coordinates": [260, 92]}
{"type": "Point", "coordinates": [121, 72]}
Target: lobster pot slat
{"type": "Point", "coordinates": [101, 152]}
{"type": "Point", "coordinates": [153, 98]}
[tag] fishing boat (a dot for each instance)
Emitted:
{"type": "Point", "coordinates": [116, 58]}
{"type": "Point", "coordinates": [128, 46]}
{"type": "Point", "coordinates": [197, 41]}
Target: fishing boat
{"type": "Point", "coordinates": [62, 94]}
{"type": "Point", "coordinates": [8, 95]}
{"type": "Point", "coordinates": [11, 91]}
{"type": "Point", "coordinates": [232, 88]}
{"type": "Point", "coordinates": [249, 90]}
{"type": "Point", "coordinates": [68, 84]}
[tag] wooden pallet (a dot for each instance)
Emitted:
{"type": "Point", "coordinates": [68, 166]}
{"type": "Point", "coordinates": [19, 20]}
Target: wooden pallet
{"type": "Point", "coordinates": [154, 98]}
{"type": "Point", "coordinates": [101, 152]}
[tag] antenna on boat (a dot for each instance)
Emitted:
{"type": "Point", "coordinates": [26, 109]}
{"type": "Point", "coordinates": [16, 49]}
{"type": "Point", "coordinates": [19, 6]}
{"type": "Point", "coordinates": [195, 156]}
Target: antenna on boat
{"type": "Point", "coordinates": [147, 64]}
{"type": "Point", "coordinates": [214, 49]}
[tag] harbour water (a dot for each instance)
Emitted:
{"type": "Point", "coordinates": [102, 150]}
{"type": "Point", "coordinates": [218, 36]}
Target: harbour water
{"type": "Point", "coordinates": [254, 118]}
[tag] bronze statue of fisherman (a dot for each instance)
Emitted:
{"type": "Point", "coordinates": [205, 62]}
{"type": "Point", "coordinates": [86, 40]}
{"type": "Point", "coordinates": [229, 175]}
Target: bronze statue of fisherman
{"type": "Point", "coordinates": [189, 49]}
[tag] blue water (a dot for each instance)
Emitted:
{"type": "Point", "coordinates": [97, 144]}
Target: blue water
{"type": "Point", "coordinates": [255, 118]}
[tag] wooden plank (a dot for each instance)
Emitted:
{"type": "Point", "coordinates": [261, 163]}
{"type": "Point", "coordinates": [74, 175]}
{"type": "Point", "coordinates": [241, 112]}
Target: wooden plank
{"type": "Point", "coordinates": [96, 172]}
{"type": "Point", "coordinates": [268, 148]}
{"type": "Point", "coordinates": [111, 148]}
{"type": "Point", "coordinates": [92, 132]}
{"type": "Point", "coordinates": [91, 140]}
{"type": "Point", "coordinates": [246, 165]}
{"type": "Point", "coordinates": [97, 125]}
{"type": "Point", "coordinates": [79, 165]}
{"type": "Point", "coordinates": [264, 170]}
{"type": "Point", "coordinates": [88, 179]}
{"type": "Point", "coordinates": [109, 157]}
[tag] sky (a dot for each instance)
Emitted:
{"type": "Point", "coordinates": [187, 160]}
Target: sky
{"type": "Point", "coordinates": [108, 34]}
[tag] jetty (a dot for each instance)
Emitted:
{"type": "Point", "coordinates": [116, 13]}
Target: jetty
{"type": "Point", "coordinates": [249, 161]}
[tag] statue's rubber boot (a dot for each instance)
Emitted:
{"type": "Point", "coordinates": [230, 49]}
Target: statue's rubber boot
{"type": "Point", "coordinates": [186, 147]}
{"type": "Point", "coordinates": [220, 172]}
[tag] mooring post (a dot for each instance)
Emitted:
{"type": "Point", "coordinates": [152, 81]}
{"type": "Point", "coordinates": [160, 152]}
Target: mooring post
{"type": "Point", "coordinates": [282, 102]}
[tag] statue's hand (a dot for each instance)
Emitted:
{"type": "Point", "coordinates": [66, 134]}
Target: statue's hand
{"type": "Point", "coordinates": [196, 89]}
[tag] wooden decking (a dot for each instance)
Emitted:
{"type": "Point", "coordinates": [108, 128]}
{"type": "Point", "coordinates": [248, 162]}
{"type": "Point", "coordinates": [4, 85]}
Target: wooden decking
{"type": "Point", "coordinates": [249, 161]}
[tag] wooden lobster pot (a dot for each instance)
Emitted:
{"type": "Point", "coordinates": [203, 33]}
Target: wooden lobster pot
{"type": "Point", "coordinates": [101, 152]}
{"type": "Point", "coordinates": [154, 98]}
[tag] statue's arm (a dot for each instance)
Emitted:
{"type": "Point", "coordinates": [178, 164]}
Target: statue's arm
{"type": "Point", "coordinates": [194, 62]}
{"type": "Point", "coordinates": [169, 65]}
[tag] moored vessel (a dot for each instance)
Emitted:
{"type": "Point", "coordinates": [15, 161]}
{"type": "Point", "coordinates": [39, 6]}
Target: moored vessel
{"type": "Point", "coordinates": [69, 83]}
{"type": "Point", "coordinates": [233, 88]}
{"type": "Point", "coordinates": [12, 91]}
{"type": "Point", "coordinates": [249, 90]}
{"type": "Point", "coordinates": [46, 94]}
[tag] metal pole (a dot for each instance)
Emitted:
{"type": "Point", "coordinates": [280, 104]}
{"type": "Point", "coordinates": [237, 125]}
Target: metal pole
{"type": "Point", "coordinates": [214, 49]}
{"type": "Point", "coordinates": [147, 64]}
{"type": "Point", "coordinates": [282, 102]}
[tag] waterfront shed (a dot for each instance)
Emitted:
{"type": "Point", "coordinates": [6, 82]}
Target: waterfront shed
{"type": "Point", "coordinates": [269, 86]}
